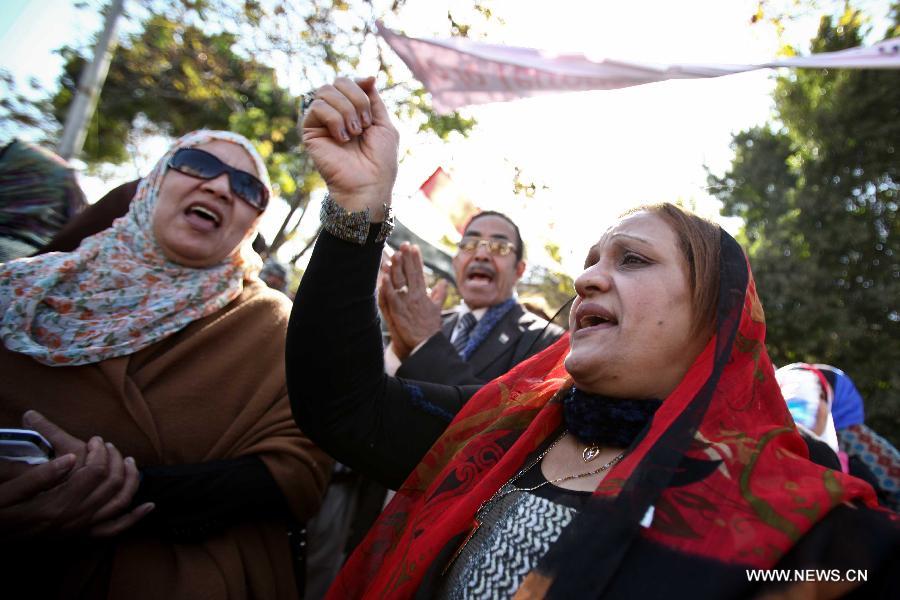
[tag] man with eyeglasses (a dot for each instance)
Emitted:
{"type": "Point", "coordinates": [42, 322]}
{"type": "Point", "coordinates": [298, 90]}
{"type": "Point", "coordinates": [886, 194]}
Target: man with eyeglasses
{"type": "Point", "coordinates": [482, 338]}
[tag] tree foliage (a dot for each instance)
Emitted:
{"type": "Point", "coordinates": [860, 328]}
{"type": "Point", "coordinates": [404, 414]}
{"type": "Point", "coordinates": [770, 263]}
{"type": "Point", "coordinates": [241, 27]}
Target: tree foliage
{"type": "Point", "coordinates": [819, 195]}
{"type": "Point", "coordinates": [180, 78]}
{"type": "Point", "coordinates": [550, 285]}
{"type": "Point", "coordinates": [23, 108]}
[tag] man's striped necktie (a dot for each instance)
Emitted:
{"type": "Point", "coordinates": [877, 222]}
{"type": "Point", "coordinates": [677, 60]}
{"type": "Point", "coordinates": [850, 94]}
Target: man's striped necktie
{"type": "Point", "coordinates": [464, 329]}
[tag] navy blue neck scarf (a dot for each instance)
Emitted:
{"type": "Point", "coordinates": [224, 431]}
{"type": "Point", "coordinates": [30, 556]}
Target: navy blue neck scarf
{"type": "Point", "coordinates": [605, 421]}
{"type": "Point", "coordinates": [485, 325]}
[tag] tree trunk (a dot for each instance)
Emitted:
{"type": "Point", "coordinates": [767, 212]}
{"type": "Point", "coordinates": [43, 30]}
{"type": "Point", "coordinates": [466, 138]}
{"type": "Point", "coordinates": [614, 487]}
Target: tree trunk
{"type": "Point", "coordinates": [89, 84]}
{"type": "Point", "coordinates": [301, 202]}
{"type": "Point", "coordinates": [306, 248]}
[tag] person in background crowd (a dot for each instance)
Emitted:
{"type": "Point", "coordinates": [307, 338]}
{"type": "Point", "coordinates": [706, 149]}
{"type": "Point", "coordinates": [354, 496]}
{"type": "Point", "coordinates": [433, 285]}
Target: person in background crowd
{"type": "Point", "coordinates": [489, 333]}
{"type": "Point", "coordinates": [810, 407]}
{"type": "Point", "coordinates": [649, 454]}
{"type": "Point", "coordinates": [38, 195]}
{"type": "Point", "coordinates": [274, 274]}
{"type": "Point", "coordinates": [93, 219]}
{"type": "Point", "coordinates": [824, 399]}
{"type": "Point", "coordinates": [157, 335]}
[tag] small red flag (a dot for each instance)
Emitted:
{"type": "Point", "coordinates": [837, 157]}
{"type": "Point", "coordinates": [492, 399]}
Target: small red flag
{"type": "Point", "coordinates": [448, 198]}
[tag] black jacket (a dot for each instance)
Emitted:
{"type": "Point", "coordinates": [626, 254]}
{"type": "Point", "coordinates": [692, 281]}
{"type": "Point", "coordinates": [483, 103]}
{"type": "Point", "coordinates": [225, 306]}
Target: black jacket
{"type": "Point", "coordinates": [519, 335]}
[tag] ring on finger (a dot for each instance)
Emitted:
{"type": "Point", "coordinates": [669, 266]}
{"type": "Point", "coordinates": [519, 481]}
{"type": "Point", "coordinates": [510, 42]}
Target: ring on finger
{"type": "Point", "coordinates": [306, 101]}
{"type": "Point", "coordinates": [403, 289]}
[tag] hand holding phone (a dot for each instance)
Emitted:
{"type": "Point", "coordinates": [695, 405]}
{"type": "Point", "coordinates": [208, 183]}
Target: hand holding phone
{"type": "Point", "coordinates": [87, 490]}
{"type": "Point", "coordinates": [24, 494]}
{"type": "Point", "coordinates": [25, 445]}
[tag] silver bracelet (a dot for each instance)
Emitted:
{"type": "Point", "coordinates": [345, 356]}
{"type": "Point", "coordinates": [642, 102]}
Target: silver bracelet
{"type": "Point", "coordinates": [353, 227]}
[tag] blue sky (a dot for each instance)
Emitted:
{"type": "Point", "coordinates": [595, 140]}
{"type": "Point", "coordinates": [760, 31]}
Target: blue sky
{"type": "Point", "coordinates": [31, 29]}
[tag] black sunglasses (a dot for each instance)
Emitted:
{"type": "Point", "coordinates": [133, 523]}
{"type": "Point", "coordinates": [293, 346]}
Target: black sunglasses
{"type": "Point", "coordinates": [199, 163]}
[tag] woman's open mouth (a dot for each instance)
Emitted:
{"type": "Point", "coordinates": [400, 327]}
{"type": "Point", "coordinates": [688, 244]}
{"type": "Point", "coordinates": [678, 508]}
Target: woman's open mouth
{"type": "Point", "coordinates": [593, 321]}
{"type": "Point", "coordinates": [592, 317]}
{"type": "Point", "coordinates": [202, 217]}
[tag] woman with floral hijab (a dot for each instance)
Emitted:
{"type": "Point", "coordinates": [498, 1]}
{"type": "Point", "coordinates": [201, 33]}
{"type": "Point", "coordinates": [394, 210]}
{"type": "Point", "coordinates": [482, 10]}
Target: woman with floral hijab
{"type": "Point", "coordinates": [157, 335]}
{"type": "Point", "coordinates": [647, 455]}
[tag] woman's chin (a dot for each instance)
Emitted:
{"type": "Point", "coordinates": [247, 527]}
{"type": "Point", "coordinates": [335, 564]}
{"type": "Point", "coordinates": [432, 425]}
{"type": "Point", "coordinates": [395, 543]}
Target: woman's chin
{"type": "Point", "coordinates": [582, 369]}
{"type": "Point", "coordinates": [598, 375]}
{"type": "Point", "coordinates": [193, 256]}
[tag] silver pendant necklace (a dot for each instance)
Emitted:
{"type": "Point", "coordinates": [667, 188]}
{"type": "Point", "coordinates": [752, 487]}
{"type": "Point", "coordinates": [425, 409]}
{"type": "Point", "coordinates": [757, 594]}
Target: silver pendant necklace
{"type": "Point", "coordinates": [590, 453]}
{"type": "Point", "coordinates": [594, 450]}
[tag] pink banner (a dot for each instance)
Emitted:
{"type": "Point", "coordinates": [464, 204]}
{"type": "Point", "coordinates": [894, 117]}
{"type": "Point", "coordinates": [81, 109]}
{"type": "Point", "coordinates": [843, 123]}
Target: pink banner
{"type": "Point", "coordinates": [460, 72]}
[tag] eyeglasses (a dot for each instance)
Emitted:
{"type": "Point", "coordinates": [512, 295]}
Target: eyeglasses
{"type": "Point", "coordinates": [495, 247]}
{"type": "Point", "coordinates": [199, 163]}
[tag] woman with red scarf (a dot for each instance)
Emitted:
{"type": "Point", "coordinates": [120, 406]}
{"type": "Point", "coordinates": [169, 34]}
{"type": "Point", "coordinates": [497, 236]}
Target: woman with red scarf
{"type": "Point", "coordinates": [650, 454]}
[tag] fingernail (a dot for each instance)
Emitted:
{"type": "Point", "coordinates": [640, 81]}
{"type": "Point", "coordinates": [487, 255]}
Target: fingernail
{"type": "Point", "coordinates": [109, 446]}
{"type": "Point", "coordinates": [345, 137]}
{"type": "Point", "coordinates": [30, 417]}
{"type": "Point", "coordinates": [129, 460]}
{"type": "Point", "coordinates": [64, 462]}
{"type": "Point", "coordinates": [367, 118]}
{"type": "Point", "coordinates": [148, 507]}
{"type": "Point", "coordinates": [355, 127]}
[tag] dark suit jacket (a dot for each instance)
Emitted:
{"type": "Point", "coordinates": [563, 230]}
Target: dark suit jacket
{"type": "Point", "coordinates": [519, 335]}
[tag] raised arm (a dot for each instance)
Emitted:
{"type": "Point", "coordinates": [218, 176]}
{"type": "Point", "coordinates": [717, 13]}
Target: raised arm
{"type": "Point", "coordinates": [340, 395]}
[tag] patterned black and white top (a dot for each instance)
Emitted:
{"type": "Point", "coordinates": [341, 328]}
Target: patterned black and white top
{"type": "Point", "coordinates": [516, 531]}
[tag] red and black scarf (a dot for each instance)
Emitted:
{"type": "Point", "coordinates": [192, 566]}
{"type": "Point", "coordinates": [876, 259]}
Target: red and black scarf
{"type": "Point", "coordinates": [758, 493]}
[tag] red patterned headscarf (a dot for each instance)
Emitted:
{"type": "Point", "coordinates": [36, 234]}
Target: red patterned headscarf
{"type": "Point", "coordinates": [757, 493]}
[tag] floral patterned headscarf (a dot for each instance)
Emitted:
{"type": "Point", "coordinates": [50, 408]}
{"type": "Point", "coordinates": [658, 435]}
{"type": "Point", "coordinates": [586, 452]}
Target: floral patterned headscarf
{"type": "Point", "coordinates": [117, 293]}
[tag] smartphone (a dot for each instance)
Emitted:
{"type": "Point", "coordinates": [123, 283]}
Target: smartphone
{"type": "Point", "coordinates": [24, 445]}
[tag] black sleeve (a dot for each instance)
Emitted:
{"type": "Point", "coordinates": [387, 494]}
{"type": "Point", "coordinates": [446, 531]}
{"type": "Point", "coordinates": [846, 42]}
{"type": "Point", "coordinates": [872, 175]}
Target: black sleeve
{"type": "Point", "coordinates": [438, 361]}
{"type": "Point", "coordinates": [199, 500]}
{"type": "Point", "coordinates": [821, 453]}
{"type": "Point", "coordinates": [340, 395]}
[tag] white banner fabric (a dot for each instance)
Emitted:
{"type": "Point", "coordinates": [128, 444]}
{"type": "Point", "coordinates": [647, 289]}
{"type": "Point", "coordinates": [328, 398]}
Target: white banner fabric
{"type": "Point", "coordinates": [460, 72]}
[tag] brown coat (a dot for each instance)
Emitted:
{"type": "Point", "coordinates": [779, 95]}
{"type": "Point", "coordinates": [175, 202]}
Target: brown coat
{"type": "Point", "coordinates": [214, 390]}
